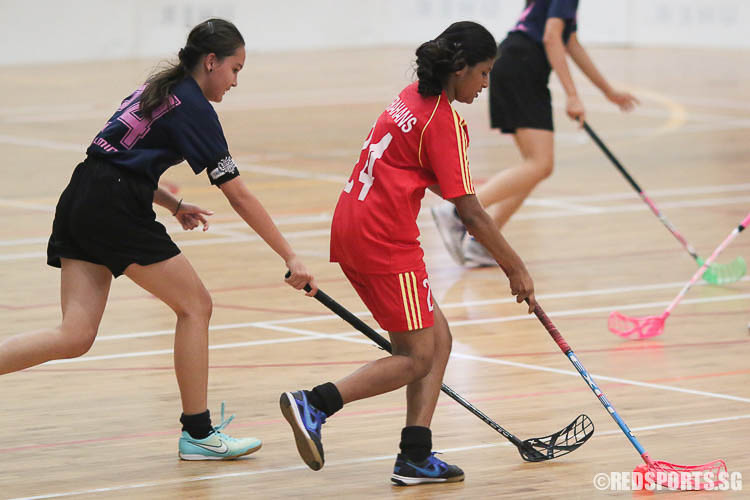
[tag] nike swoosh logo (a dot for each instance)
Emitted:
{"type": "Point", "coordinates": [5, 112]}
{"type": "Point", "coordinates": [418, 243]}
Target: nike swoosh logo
{"type": "Point", "coordinates": [432, 471]}
{"type": "Point", "coordinates": [216, 449]}
{"type": "Point", "coordinates": [307, 415]}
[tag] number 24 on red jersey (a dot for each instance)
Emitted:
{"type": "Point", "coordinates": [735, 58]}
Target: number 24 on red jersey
{"type": "Point", "coordinates": [367, 174]}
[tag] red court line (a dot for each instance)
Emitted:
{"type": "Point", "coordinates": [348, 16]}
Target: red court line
{"type": "Point", "coordinates": [681, 315]}
{"type": "Point", "coordinates": [630, 347]}
{"type": "Point", "coordinates": [604, 315]}
{"type": "Point", "coordinates": [345, 413]}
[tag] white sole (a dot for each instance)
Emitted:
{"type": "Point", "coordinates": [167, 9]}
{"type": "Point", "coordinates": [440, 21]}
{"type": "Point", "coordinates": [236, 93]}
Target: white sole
{"type": "Point", "coordinates": [196, 457]}
{"type": "Point", "coordinates": [412, 481]}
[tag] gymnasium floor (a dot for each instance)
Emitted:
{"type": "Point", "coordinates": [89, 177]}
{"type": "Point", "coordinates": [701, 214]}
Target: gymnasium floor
{"type": "Point", "coordinates": [105, 425]}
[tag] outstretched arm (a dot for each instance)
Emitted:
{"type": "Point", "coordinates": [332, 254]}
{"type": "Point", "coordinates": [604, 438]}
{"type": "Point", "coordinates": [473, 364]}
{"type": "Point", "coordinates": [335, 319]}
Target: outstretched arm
{"type": "Point", "coordinates": [252, 211]}
{"type": "Point", "coordinates": [480, 225]}
{"type": "Point", "coordinates": [624, 100]}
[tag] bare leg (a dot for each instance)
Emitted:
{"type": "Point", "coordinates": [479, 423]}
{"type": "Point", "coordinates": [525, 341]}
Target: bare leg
{"type": "Point", "coordinates": [411, 360]}
{"type": "Point", "coordinates": [84, 288]}
{"type": "Point", "coordinates": [422, 394]}
{"type": "Point", "coordinates": [504, 193]}
{"type": "Point", "coordinates": [176, 283]}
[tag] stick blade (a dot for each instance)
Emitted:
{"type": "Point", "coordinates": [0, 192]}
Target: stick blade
{"type": "Point", "coordinates": [723, 274]}
{"type": "Point", "coordinates": [562, 442]}
{"type": "Point", "coordinates": [707, 476]}
{"type": "Point", "coordinates": [642, 328]}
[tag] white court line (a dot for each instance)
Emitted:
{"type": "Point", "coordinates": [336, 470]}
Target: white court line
{"type": "Point", "coordinates": [551, 202]}
{"type": "Point", "coordinates": [641, 207]}
{"type": "Point", "coordinates": [12, 257]}
{"type": "Point", "coordinates": [548, 296]}
{"type": "Point", "coordinates": [252, 238]}
{"type": "Point", "coordinates": [632, 195]}
{"type": "Point", "coordinates": [307, 335]}
{"type": "Point", "coordinates": [23, 241]}
{"type": "Point", "coordinates": [341, 96]}
{"type": "Point", "coordinates": [730, 104]}
{"type": "Point", "coordinates": [448, 305]}
{"type": "Point", "coordinates": [345, 463]}
{"type": "Point", "coordinates": [577, 312]}
{"type": "Point", "coordinates": [288, 172]}
{"type": "Point", "coordinates": [240, 238]}
{"type": "Point", "coordinates": [534, 367]}
{"type": "Point", "coordinates": [346, 336]}
{"type": "Point", "coordinates": [27, 206]}
{"type": "Point", "coordinates": [596, 377]}
{"type": "Point", "coordinates": [40, 143]}
{"type": "Point", "coordinates": [228, 229]}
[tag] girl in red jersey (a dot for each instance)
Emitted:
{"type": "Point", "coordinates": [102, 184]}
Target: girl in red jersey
{"type": "Point", "coordinates": [105, 225]}
{"type": "Point", "coordinates": [520, 104]}
{"type": "Point", "coordinates": [418, 142]}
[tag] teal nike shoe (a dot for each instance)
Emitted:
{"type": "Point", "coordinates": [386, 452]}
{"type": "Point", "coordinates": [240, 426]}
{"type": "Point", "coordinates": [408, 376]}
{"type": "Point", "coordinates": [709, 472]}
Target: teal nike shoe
{"type": "Point", "coordinates": [217, 445]}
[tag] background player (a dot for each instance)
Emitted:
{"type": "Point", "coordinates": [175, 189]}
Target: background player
{"type": "Point", "coordinates": [520, 104]}
{"type": "Point", "coordinates": [418, 142]}
{"type": "Point", "coordinates": [105, 225]}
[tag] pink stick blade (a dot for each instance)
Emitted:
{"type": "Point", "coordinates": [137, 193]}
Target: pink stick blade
{"type": "Point", "coordinates": [643, 328]}
{"type": "Point", "coordinates": [688, 477]}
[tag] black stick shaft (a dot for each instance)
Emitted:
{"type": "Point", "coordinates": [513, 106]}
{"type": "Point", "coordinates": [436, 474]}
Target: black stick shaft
{"type": "Point", "coordinates": [364, 328]}
{"type": "Point", "coordinates": [611, 157]}
{"type": "Point", "coordinates": [693, 253]}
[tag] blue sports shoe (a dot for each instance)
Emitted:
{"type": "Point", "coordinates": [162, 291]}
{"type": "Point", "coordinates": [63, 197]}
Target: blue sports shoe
{"type": "Point", "coordinates": [217, 445]}
{"type": "Point", "coordinates": [306, 421]}
{"type": "Point", "coordinates": [431, 470]}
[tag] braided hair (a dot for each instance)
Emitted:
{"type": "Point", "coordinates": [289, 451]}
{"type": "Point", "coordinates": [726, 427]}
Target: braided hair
{"type": "Point", "coordinates": [464, 43]}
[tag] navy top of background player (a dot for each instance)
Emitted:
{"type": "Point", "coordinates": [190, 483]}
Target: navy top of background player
{"type": "Point", "coordinates": [534, 18]}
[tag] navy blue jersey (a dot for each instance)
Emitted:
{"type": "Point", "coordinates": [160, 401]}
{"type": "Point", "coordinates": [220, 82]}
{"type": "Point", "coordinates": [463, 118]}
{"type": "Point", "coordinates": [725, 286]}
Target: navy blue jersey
{"type": "Point", "coordinates": [535, 15]}
{"type": "Point", "coordinates": [185, 128]}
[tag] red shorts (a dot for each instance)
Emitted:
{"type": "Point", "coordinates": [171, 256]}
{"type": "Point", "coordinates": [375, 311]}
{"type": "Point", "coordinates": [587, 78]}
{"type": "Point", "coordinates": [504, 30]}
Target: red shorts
{"type": "Point", "coordinates": [399, 302]}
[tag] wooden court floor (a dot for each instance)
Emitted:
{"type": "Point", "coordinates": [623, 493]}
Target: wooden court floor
{"type": "Point", "coordinates": [105, 425]}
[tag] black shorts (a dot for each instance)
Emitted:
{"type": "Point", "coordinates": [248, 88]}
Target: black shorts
{"type": "Point", "coordinates": [105, 216]}
{"type": "Point", "coordinates": [519, 93]}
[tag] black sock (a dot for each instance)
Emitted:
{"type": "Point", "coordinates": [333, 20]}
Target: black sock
{"type": "Point", "coordinates": [326, 398]}
{"type": "Point", "coordinates": [416, 443]}
{"type": "Point", "coordinates": [198, 425]}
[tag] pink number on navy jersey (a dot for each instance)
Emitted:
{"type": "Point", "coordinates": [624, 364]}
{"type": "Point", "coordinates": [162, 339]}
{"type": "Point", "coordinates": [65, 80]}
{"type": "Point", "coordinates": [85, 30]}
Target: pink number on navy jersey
{"type": "Point", "coordinates": [138, 127]}
{"type": "Point", "coordinates": [127, 102]}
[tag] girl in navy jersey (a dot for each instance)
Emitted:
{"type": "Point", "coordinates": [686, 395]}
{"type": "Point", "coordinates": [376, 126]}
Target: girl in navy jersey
{"type": "Point", "coordinates": [419, 142]}
{"type": "Point", "coordinates": [105, 225]}
{"type": "Point", "coordinates": [520, 104]}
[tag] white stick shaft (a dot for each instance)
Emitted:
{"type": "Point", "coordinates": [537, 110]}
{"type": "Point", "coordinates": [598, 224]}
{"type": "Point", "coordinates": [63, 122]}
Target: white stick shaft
{"type": "Point", "coordinates": [708, 262]}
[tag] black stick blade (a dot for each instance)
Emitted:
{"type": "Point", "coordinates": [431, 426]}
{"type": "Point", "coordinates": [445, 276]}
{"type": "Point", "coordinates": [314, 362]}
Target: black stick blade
{"type": "Point", "coordinates": [560, 443]}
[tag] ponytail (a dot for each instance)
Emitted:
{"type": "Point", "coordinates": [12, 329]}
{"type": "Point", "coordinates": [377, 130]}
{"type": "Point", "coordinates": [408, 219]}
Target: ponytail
{"type": "Point", "coordinates": [159, 86]}
{"type": "Point", "coordinates": [215, 36]}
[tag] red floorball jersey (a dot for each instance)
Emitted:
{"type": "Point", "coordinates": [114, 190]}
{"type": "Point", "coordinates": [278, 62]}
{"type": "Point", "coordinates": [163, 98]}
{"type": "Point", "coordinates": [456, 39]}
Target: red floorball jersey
{"type": "Point", "coordinates": [417, 142]}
